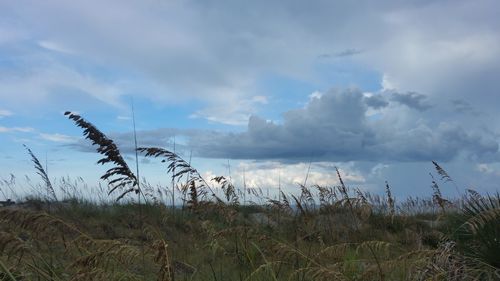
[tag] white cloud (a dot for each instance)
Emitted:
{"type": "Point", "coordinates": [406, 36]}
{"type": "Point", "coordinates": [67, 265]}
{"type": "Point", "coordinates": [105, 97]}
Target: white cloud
{"type": "Point", "coordinates": [16, 129]}
{"type": "Point", "coordinates": [232, 112]}
{"type": "Point", "coordinates": [387, 84]}
{"type": "Point", "coordinates": [5, 113]}
{"type": "Point", "coordinates": [484, 168]}
{"type": "Point", "coordinates": [315, 95]}
{"type": "Point", "coordinates": [38, 84]}
{"type": "Point", "coordinates": [270, 174]}
{"type": "Point", "coordinates": [489, 169]}
{"type": "Point", "coordinates": [61, 138]}
{"type": "Point", "coordinates": [54, 46]}
{"type": "Point", "coordinates": [378, 169]}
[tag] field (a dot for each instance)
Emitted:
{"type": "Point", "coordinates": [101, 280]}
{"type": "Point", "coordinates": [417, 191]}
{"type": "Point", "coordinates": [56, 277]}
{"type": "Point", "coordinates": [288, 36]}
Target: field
{"type": "Point", "coordinates": [321, 233]}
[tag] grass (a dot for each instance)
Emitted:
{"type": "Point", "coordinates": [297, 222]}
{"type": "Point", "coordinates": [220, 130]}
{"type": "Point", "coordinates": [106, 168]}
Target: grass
{"type": "Point", "coordinates": [323, 233]}
{"type": "Point", "coordinates": [78, 239]}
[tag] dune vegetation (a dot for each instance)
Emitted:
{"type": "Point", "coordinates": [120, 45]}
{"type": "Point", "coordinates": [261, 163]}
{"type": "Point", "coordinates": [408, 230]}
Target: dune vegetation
{"type": "Point", "coordinates": [318, 233]}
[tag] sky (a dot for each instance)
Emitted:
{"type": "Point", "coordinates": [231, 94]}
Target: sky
{"type": "Point", "coordinates": [272, 92]}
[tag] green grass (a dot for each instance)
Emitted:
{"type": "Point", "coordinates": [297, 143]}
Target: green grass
{"type": "Point", "coordinates": [80, 239]}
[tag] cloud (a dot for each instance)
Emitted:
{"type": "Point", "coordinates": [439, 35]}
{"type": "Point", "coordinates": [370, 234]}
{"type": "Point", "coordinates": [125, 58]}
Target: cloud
{"type": "Point", "coordinates": [270, 174]}
{"type": "Point", "coordinates": [412, 100]}
{"type": "Point", "coordinates": [376, 101]}
{"type": "Point", "coordinates": [61, 138]}
{"type": "Point", "coordinates": [462, 106]}
{"type": "Point", "coordinates": [219, 55]}
{"type": "Point", "coordinates": [232, 112]}
{"type": "Point", "coordinates": [489, 169]}
{"type": "Point", "coordinates": [5, 113]}
{"type": "Point", "coordinates": [345, 53]}
{"type": "Point", "coordinates": [191, 50]}
{"type": "Point", "coordinates": [37, 84]}
{"type": "Point", "coordinates": [53, 46]}
{"type": "Point", "coordinates": [338, 118]}
{"type": "Point", "coordinates": [16, 129]}
{"type": "Point", "coordinates": [334, 127]}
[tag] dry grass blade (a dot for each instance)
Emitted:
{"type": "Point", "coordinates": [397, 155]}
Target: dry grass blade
{"type": "Point", "coordinates": [33, 233]}
{"type": "Point", "coordinates": [103, 253]}
{"type": "Point", "coordinates": [444, 175]}
{"type": "Point", "coordinates": [326, 273]}
{"type": "Point", "coordinates": [390, 200]}
{"type": "Point", "coordinates": [445, 263]}
{"type": "Point", "coordinates": [300, 207]}
{"type": "Point", "coordinates": [42, 173]}
{"type": "Point", "coordinates": [42, 225]}
{"type": "Point", "coordinates": [163, 260]}
{"type": "Point", "coordinates": [327, 195]}
{"type": "Point", "coordinates": [229, 190]}
{"type": "Point", "coordinates": [334, 252]}
{"type": "Point", "coordinates": [307, 197]}
{"type": "Point", "coordinates": [484, 217]}
{"type": "Point", "coordinates": [266, 267]}
{"type": "Point", "coordinates": [438, 196]}
{"type": "Point", "coordinates": [481, 228]}
{"type": "Point", "coordinates": [193, 194]}
{"type": "Point", "coordinates": [180, 167]}
{"type": "Point", "coordinates": [120, 176]}
{"type": "Point", "coordinates": [6, 272]}
{"type": "Point", "coordinates": [12, 246]}
{"type": "Point", "coordinates": [361, 196]}
{"type": "Point", "coordinates": [343, 188]}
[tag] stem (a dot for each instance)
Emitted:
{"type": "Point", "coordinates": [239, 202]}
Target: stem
{"type": "Point", "coordinates": [139, 194]}
{"type": "Point", "coordinates": [380, 272]}
{"type": "Point", "coordinates": [7, 271]}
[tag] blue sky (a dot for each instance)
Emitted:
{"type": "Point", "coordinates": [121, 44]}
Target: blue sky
{"type": "Point", "coordinates": [376, 89]}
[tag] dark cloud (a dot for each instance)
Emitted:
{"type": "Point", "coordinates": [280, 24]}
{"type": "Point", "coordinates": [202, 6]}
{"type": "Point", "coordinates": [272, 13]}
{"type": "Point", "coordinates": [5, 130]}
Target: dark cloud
{"type": "Point", "coordinates": [333, 127]}
{"type": "Point", "coordinates": [444, 142]}
{"type": "Point", "coordinates": [412, 100]}
{"type": "Point", "coordinates": [462, 106]}
{"type": "Point", "coordinates": [376, 101]}
{"type": "Point", "coordinates": [345, 53]}
{"type": "Point", "coordinates": [348, 53]}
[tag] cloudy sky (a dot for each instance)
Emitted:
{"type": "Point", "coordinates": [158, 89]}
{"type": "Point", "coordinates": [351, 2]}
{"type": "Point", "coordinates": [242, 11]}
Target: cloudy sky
{"type": "Point", "coordinates": [265, 89]}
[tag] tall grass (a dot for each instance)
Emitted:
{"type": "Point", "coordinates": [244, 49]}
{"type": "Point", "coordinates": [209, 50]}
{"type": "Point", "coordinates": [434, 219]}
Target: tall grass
{"type": "Point", "coordinates": [322, 233]}
{"type": "Point", "coordinates": [120, 176]}
{"type": "Point", "coordinates": [43, 174]}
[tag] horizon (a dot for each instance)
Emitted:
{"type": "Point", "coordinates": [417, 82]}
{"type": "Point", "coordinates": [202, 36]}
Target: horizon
{"type": "Point", "coordinates": [270, 92]}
